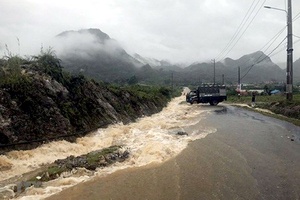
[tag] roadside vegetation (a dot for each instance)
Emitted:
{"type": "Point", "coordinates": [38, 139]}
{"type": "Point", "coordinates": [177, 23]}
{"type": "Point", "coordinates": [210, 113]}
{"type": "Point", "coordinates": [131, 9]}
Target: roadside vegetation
{"type": "Point", "coordinates": [41, 102]}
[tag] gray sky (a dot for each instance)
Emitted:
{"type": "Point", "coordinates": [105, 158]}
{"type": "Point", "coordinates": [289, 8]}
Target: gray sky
{"type": "Point", "coordinates": [175, 30]}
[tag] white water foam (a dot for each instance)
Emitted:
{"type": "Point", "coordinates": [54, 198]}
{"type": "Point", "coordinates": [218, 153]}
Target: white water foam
{"type": "Point", "coordinates": [149, 139]}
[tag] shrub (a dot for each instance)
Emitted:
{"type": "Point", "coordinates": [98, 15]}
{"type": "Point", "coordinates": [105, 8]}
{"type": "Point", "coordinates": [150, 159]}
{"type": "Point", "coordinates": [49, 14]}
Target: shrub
{"type": "Point", "coordinates": [48, 63]}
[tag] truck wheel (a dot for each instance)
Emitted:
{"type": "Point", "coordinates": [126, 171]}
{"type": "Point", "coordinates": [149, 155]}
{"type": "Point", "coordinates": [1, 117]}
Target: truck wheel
{"type": "Point", "coordinates": [213, 103]}
{"type": "Point", "coordinates": [194, 102]}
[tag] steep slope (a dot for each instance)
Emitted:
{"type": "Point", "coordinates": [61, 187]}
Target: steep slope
{"type": "Point", "coordinates": [147, 61]}
{"type": "Point", "coordinates": [161, 65]}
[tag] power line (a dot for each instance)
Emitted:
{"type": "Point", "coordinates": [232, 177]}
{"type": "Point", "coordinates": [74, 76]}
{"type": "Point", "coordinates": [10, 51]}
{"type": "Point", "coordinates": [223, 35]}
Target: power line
{"type": "Point", "coordinates": [271, 43]}
{"type": "Point", "coordinates": [263, 58]}
{"type": "Point", "coordinates": [236, 32]}
{"type": "Point", "coordinates": [285, 4]}
{"type": "Point", "coordinates": [276, 36]}
{"type": "Point", "coordinates": [273, 39]}
{"type": "Point", "coordinates": [296, 17]}
{"type": "Point", "coordinates": [283, 49]}
{"type": "Point", "coordinates": [247, 18]}
{"type": "Point", "coordinates": [268, 46]}
{"type": "Point", "coordinates": [245, 28]}
{"type": "Point", "coordinates": [241, 26]}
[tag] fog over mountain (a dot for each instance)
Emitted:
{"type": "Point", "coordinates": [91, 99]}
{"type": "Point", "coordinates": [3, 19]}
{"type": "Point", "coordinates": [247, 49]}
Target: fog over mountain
{"type": "Point", "coordinates": [93, 53]}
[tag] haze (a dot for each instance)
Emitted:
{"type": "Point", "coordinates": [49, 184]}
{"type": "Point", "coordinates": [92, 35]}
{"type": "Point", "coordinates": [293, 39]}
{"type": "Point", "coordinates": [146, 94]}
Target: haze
{"type": "Point", "coordinates": [175, 30]}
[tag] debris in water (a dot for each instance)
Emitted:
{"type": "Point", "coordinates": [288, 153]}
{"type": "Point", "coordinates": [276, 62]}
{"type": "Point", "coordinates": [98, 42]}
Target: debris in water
{"type": "Point", "coordinates": [182, 133]}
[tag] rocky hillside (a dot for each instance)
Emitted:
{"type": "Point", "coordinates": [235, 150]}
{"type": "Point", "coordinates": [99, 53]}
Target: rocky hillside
{"type": "Point", "coordinates": [39, 102]}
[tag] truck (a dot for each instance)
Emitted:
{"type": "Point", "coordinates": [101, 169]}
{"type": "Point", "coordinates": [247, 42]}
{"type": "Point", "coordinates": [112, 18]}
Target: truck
{"type": "Point", "coordinates": [212, 94]}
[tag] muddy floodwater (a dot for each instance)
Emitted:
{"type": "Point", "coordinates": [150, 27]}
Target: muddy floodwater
{"type": "Point", "coordinates": [250, 156]}
{"type": "Point", "coordinates": [150, 140]}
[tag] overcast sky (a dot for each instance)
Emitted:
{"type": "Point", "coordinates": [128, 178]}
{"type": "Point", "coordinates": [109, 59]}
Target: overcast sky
{"type": "Point", "coordinates": [175, 30]}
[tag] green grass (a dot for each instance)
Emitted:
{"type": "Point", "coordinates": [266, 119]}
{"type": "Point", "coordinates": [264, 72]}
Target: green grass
{"type": "Point", "coordinates": [264, 98]}
{"type": "Point", "coordinates": [55, 171]}
{"type": "Point", "coordinates": [93, 157]}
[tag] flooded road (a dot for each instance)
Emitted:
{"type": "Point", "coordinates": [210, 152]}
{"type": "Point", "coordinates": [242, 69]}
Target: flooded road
{"type": "Point", "coordinates": [250, 156]}
{"type": "Point", "coordinates": [150, 140]}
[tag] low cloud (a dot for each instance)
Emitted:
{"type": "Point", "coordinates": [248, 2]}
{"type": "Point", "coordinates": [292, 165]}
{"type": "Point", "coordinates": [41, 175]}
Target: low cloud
{"type": "Point", "coordinates": [83, 44]}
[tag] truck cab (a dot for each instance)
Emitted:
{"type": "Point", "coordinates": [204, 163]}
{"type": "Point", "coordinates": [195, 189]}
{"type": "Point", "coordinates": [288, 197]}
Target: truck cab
{"type": "Point", "coordinates": [212, 94]}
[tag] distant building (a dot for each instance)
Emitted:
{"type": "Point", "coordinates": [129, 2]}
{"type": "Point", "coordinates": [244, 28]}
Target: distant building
{"type": "Point", "coordinates": [273, 92]}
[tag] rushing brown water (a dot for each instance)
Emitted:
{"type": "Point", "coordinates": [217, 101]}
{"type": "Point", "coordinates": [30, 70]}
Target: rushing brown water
{"type": "Point", "coordinates": [250, 156]}
{"type": "Point", "coordinates": [150, 140]}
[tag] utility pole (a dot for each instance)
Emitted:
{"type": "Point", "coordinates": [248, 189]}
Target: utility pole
{"type": "Point", "coordinates": [214, 61]}
{"type": "Point", "coordinates": [289, 62]}
{"type": "Point", "coordinates": [289, 65]}
{"type": "Point", "coordinates": [239, 80]}
{"type": "Point", "coordinates": [223, 79]}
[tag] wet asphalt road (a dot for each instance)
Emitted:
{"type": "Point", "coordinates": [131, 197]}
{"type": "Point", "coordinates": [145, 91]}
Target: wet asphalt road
{"type": "Point", "coordinates": [251, 156]}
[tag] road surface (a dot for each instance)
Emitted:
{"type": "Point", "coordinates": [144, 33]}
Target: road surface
{"type": "Point", "coordinates": [251, 156]}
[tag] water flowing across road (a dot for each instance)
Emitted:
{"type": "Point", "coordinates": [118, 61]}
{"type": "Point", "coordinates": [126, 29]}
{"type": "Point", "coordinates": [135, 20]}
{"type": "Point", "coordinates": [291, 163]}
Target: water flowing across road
{"type": "Point", "coordinates": [150, 139]}
{"type": "Point", "coordinates": [250, 156]}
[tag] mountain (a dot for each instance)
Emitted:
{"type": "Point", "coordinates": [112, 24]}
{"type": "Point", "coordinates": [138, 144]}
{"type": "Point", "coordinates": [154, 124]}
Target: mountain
{"type": "Point", "coordinates": [147, 61]}
{"type": "Point", "coordinates": [101, 37]}
{"type": "Point", "coordinates": [94, 54]}
{"type": "Point", "coordinates": [255, 67]}
{"type": "Point", "coordinates": [250, 59]}
{"type": "Point", "coordinates": [282, 65]}
{"type": "Point", "coordinates": [157, 64]}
